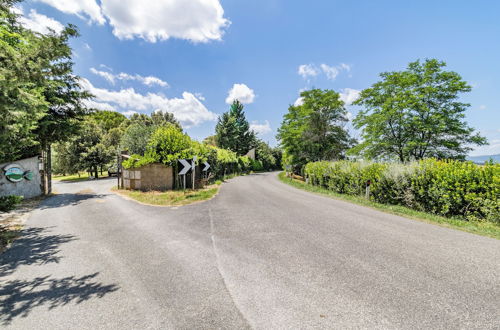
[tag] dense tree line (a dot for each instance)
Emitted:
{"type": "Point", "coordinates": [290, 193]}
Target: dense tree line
{"type": "Point", "coordinates": [409, 115]}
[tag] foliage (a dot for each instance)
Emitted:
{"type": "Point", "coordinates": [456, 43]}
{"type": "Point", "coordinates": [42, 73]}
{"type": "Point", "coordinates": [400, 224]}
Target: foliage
{"type": "Point", "coordinates": [415, 114]}
{"type": "Point", "coordinates": [447, 188]}
{"type": "Point", "coordinates": [87, 151]}
{"type": "Point", "coordinates": [135, 138]}
{"type": "Point", "coordinates": [485, 228]}
{"type": "Point", "coordinates": [233, 131]}
{"type": "Point", "coordinates": [8, 203]}
{"type": "Point", "coordinates": [168, 144]}
{"type": "Point", "coordinates": [41, 99]}
{"type": "Point", "coordinates": [315, 130]}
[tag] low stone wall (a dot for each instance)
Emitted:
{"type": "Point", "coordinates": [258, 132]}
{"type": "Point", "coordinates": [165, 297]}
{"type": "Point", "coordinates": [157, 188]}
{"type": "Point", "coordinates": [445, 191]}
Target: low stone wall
{"type": "Point", "coordinates": [150, 177]}
{"type": "Point", "coordinates": [30, 185]}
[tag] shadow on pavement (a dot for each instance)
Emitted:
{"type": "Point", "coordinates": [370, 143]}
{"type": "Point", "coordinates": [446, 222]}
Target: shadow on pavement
{"type": "Point", "coordinates": [19, 297]}
{"type": "Point", "coordinates": [67, 199]}
{"type": "Point", "coordinates": [33, 247]}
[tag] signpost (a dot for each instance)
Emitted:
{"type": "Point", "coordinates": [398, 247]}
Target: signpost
{"type": "Point", "coordinates": [191, 166]}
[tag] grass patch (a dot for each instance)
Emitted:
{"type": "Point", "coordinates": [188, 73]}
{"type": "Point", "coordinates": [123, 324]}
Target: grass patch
{"type": "Point", "coordinates": [488, 229]}
{"type": "Point", "coordinates": [75, 177]}
{"type": "Point", "coordinates": [171, 197]}
{"type": "Point", "coordinates": [8, 234]}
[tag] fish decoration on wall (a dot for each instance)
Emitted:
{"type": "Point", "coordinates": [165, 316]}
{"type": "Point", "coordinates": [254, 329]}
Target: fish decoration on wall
{"type": "Point", "coordinates": [15, 173]}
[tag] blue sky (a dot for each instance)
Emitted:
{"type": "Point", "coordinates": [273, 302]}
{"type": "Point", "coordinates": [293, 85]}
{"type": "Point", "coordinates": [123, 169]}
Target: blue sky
{"type": "Point", "coordinates": [190, 56]}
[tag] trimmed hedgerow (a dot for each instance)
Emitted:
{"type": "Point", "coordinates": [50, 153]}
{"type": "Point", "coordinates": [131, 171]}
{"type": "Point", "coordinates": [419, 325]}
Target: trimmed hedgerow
{"type": "Point", "coordinates": [449, 188]}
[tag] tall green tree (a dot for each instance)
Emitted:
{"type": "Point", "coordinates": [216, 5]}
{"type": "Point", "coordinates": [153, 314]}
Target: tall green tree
{"type": "Point", "coordinates": [233, 130]}
{"type": "Point", "coordinates": [41, 99]}
{"type": "Point", "coordinates": [414, 114]}
{"type": "Point", "coordinates": [315, 130]}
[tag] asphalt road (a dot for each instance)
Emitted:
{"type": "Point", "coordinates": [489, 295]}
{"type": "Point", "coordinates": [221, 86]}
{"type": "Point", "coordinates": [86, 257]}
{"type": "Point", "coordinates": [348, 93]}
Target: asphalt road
{"type": "Point", "coordinates": [261, 255]}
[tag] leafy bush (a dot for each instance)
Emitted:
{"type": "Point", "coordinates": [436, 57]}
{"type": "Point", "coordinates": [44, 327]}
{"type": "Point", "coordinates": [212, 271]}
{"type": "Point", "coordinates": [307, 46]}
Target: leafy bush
{"type": "Point", "coordinates": [8, 203]}
{"type": "Point", "coordinates": [257, 165]}
{"type": "Point", "coordinates": [448, 188]}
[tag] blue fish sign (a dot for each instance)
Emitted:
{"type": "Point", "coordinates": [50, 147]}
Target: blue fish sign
{"type": "Point", "coordinates": [15, 173]}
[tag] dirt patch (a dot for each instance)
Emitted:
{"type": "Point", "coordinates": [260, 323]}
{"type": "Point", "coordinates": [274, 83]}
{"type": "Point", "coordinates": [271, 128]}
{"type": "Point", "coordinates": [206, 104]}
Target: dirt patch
{"type": "Point", "coordinates": [12, 222]}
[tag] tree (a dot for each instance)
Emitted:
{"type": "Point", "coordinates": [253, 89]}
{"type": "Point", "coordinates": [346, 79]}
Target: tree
{"type": "Point", "coordinates": [414, 114]}
{"type": "Point", "coordinates": [160, 118]}
{"type": "Point", "coordinates": [210, 140]}
{"type": "Point", "coordinates": [315, 130]}
{"type": "Point", "coordinates": [233, 130]}
{"type": "Point", "coordinates": [22, 103]}
{"type": "Point", "coordinates": [135, 138]}
{"type": "Point", "coordinates": [41, 99]}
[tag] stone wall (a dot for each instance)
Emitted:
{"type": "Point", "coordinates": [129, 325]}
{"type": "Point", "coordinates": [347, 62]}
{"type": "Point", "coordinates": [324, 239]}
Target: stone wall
{"type": "Point", "coordinates": [26, 188]}
{"type": "Point", "coordinates": [150, 177]}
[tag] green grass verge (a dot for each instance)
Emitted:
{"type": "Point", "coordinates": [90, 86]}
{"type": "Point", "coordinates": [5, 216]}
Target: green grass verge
{"type": "Point", "coordinates": [76, 177]}
{"type": "Point", "coordinates": [171, 197]}
{"type": "Point", "coordinates": [481, 228]}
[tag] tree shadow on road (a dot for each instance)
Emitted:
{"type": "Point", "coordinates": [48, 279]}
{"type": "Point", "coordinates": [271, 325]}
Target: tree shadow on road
{"type": "Point", "coordinates": [68, 199]}
{"type": "Point", "coordinates": [34, 246]}
{"type": "Point", "coordinates": [19, 297]}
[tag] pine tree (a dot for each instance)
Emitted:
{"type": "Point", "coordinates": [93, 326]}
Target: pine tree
{"type": "Point", "coordinates": [233, 130]}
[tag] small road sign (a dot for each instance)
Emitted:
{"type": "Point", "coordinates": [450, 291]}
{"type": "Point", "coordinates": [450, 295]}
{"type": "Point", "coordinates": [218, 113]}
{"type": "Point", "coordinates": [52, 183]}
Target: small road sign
{"type": "Point", "coordinates": [187, 166]}
{"type": "Point", "coordinates": [207, 166]}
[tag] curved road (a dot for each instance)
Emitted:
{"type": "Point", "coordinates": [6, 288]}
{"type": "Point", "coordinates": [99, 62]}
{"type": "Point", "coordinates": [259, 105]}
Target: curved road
{"type": "Point", "coordinates": [261, 254]}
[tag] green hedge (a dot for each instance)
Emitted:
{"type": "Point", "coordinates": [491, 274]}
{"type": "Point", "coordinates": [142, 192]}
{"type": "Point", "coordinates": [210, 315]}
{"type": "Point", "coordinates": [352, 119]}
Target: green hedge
{"type": "Point", "coordinates": [8, 203]}
{"type": "Point", "coordinates": [448, 188]}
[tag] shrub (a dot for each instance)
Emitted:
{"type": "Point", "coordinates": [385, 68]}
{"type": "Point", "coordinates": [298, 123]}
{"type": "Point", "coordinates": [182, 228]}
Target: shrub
{"type": "Point", "coordinates": [8, 203]}
{"type": "Point", "coordinates": [448, 188]}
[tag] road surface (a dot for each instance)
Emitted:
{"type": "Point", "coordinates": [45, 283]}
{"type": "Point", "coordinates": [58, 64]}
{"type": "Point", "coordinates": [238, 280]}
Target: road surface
{"type": "Point", "coordinates": [261, 254]}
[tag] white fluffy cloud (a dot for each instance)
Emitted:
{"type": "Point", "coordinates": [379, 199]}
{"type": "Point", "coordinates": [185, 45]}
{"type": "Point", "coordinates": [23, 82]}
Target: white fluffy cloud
{"type": "Point", "coordinates": [331, 72]}
{"type": "Point", "coordinates": [152, 20]}
{"type": "Point", "coordinates": [188, 109]}
{"type": "Point", "coordinates": [299, 101]}
{"type": "Point", "coordinates": [195, 20]}
{"type": "Point", "coordinates": [262, 129]}
{"type": "Point", "coordinates": [148, 81]}
{"type": "Point", "coordinates": [349, 95]}
{"type": "Point", "coordinates": [308, 70]}
{"type": "Point", "coordinates": [87, 9]}
{"type": "Point", "coordinates": [38, 22]}
{"type": "Point", "coordinates": [242, 93]}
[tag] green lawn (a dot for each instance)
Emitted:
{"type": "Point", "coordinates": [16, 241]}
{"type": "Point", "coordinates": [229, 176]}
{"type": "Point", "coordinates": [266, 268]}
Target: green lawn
{"type": "Point", "coordinates": [75, 177]}
{"type": "Point", "coordinates": [481, 228]}
{"type": "Point", "coordinates": [171, 197]}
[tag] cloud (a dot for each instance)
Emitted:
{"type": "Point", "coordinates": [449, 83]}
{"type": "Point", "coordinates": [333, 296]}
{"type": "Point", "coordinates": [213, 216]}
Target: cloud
{"type": "Point", "coordinates": [194, 20]}
{"type": "Point", "coordinates": [188, 109]}
{"type": "Point", "coordinates": [261, 128]}
{"type": "Point", "coordinates": [87, 46]}
{"type": "Point", "coordinates": [242, 93]}
{"type": "Point", "coordinates": [331, 72]}
{"type": "Point", "coordinates": [38, 22]}
{"type": "Point", "coordinates": [308, 70]}
{"type": "Point", "coordinates": [299, 101]}
{"type": "Point", "coordinates": [86, 9]}
{"type": "Point", "coordinates": [99, 105]}
{"type": "Point", "coordinates": [349, 95]}
{"type": "Point", "coordinates": [110, 77]}
{"type": "Point", "coordinates": [492, 149]}
{"type": "Point", "coordinates": [482, 107]}
{"type": "Point", "coordinates": [128, 113]}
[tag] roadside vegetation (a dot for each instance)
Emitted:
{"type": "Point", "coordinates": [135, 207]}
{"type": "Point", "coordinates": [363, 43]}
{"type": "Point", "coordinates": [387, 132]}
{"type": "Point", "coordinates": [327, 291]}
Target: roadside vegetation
{"type": "Point", "coordinates": [84, 176]}
{"type": "Point", "coordinates": [414, 141]}
{"type": "Point", "coordinates": [489, 229]}
{"type": "Point", "coordinates": [171, 197]}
